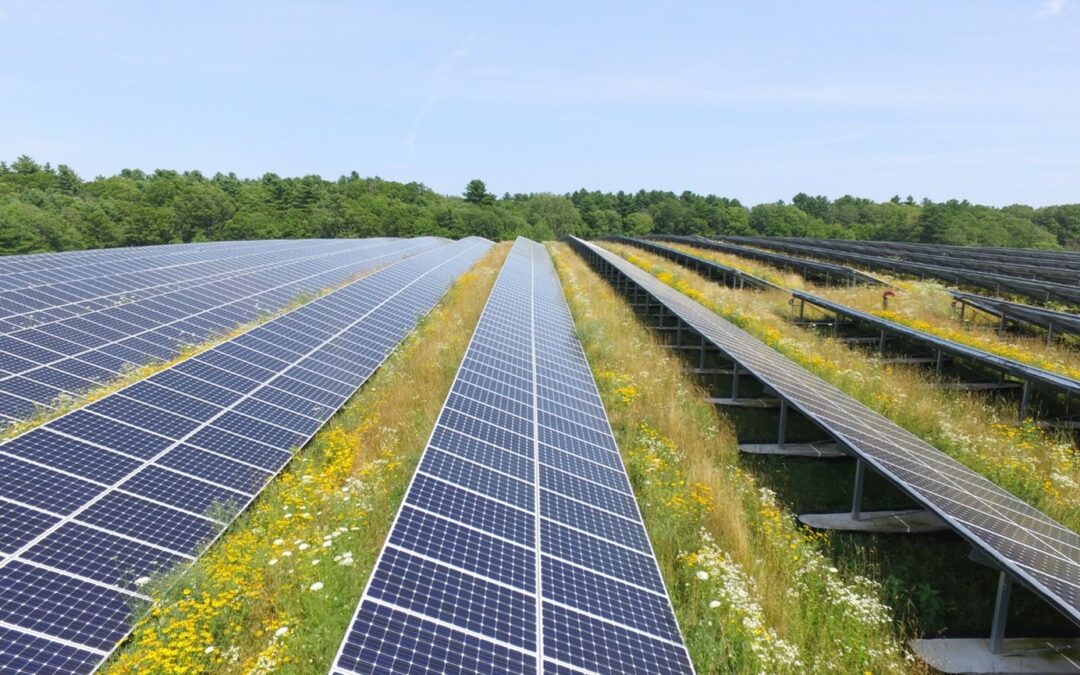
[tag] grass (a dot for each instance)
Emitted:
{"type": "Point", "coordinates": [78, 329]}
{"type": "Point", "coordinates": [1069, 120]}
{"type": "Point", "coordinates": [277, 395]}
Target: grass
{"type": "Point", "coordinates": [925, 306]}
{"type": "Point", "coordinates": [753, 592]}
{"type": "Point", "coordinates": [277, 591]}
{"type": "Point", "coordinates": [1039, 467]}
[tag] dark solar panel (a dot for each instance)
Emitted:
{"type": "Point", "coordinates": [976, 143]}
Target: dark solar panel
{"type": "Point", "coordinates": [128, 320]}
{"type": "Point", "coordinates": [94, 502]}
{"type": "Point", "coordinates": [519, 546]}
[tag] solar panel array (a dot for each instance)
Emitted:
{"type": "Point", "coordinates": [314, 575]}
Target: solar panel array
{"type": "Point", "coordinates": [519, 547]}
{"type": "Point", "coordinates": [1055, 322]}
{"type": "Point", "coordinates": [1054, 266]}
{"type": "Point", "coordinates": [80, 333]}
{"type": "Point", "coordinates": [98, 500]}
{"type": "Point", "coordinates": [1045, 378]}
{"type": "Point", "coordinates": [801, 265]}
{"type": "Point", "coordinates": [1031, 546]}
{"type": "Point", "coordinates": [953, 273]}
{"type": "Point", "coordinates": [729, 276]}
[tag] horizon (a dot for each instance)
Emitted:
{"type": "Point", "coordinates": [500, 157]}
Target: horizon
{"type": "Point", "coordinates": [975, 101]}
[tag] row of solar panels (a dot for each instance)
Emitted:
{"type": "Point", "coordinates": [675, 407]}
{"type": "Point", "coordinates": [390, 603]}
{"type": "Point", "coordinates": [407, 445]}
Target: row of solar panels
{"type": "Point", "coordinates": [957, 274]}
{"type": "Point", "coordinates": [725, 274]}
{"type": "Point", "coordinates": [72, 352]}
{"type": "Point", "coordinates": [96, 501]}
{"type": "Point", "coordinates": [1056, 259]}
{"type": "Point", "coordinates": [1026, 373]}
{"type": "Point", "coordinates": [808, 268]}
{"type": "Point", "coordinates": [1053, 322]}
{"type": "Point", "coordinates": [81, 288]}
{"type": "Point", "coordinates": [1054, 271]}
{"type": "Point", "coordinates": [1030, 546]}
{"type": "Point", "coordinates": [519, 547]}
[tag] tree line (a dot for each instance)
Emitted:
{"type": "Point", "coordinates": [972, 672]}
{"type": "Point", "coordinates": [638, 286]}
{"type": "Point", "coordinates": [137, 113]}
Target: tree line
{"type": "Point", "coordinates": [43, 208]}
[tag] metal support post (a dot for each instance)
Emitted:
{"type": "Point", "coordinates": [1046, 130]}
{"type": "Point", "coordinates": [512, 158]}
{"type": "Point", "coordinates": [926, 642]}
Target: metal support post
{"type": "Point", "coordinates": [1025, 398]}
{"type": "Point", "coordinates": [881, 343]}
{"type": "Point", "coordinates": [1001, 612]}
{"type": "Point", "coordinates": [939, 362]}
{"type": "Point", "coordinates": [735, 380]}
{"type": "Point", "coordinates": [783, 424]}
{"type": "Point", "coordinates": [856, 499]}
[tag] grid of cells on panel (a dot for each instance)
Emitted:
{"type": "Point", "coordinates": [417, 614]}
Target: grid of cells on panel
{"type": "Point", "coordinates": [83, 333]}
{"type": "Point", "coordinates": [507, 556]}
{"type": "Point", "coordinates": [98, 500]}
{"type": "Point", "coordinates": [1021, 539]}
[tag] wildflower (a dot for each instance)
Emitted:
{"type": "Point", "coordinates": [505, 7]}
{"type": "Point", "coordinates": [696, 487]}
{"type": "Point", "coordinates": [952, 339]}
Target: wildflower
{"type": "Point", "coordinates": [281, 631]}
{"type": "Point", "coordinates": [703, 575]}
{"type": "Point", "coordinates": [713, 604]}
{"type": "Point", "coordinates": [142, 581]}
{"type": "Point", "coordinates": [317, 586]}
{"type": "Point", "coordinates": [279, 542]}
{"type": "Point", "coordinates": [209, 650]}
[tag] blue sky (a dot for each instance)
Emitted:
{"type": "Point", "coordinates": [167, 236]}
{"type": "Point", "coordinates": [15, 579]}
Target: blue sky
{"type": "Point", "coordinates": [754, 100]}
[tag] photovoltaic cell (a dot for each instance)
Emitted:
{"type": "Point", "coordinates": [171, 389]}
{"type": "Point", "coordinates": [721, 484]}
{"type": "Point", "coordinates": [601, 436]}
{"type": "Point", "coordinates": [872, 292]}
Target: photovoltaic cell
{"type": "Point", "coordinates": [96, 501]}
{"type": "Point", "coordinates": [91, 332]}
{"type": "Point", "coordinates": [519, 542]}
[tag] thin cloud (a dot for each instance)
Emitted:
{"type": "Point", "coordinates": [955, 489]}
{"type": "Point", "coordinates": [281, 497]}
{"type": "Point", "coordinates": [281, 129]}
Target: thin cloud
{"type": "Point", "coordinates": [441, 74]}
{"type": "Point", "coordinates": [1050, 8]}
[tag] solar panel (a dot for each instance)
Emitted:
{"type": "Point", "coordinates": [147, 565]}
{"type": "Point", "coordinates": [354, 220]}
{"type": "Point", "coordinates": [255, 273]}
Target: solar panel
{"type": "Point", "coordinates": [1044, 378]}
{"type": "Point", "coordinates": [954, 273]}
{"type": "Point", "coordinates": [72, 352]}
{"type": "Point", "coordinates": [98, 499]}
{"type": "Point", "coordinates": [519, 547]}
{"type": "Point", "coordinates": [1020, 539]}
{"type": "Point", "coordinates": [1054, 322]}
{"type": "Point", "coordinates": [802, 265]}
{"type": "Point", "coordinates": [729, 276]}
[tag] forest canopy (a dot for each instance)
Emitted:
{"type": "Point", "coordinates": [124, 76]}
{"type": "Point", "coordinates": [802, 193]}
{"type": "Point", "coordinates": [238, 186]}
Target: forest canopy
{"type": "Point", "coordinates": [43, 208]}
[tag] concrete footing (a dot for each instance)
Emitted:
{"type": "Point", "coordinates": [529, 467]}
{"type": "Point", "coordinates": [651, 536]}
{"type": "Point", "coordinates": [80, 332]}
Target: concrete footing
{"type": "Point", "coordinates": [822, 450]}
{"type": "Point", "coordinates": [1018, 655]}
{"type": "Point", "coordinates": [913, 521]}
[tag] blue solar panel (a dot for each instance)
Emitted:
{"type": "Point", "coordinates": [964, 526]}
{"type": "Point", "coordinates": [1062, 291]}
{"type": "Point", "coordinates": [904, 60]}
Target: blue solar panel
{"type": "Point", "coordinates": [519, 542]}
{"type": "Point", "coordinates": [94, 331]}
{"type": "Point", "coordinates": [95, 501]}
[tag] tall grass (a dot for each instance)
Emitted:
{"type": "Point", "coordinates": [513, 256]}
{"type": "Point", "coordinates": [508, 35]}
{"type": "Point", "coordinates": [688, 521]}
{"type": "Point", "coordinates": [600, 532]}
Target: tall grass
{"type": "Point", "coordinates": [276, 592]}
{"type": "Point", "coordinates": [1040, 467]}
{"type": "Point", "coordinates": [753, 593]}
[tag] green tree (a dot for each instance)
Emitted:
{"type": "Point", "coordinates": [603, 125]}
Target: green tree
{"type": "Point", "coordinates": [476, 193]}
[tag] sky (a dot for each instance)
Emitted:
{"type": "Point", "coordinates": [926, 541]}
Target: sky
{"type": "Point", "coordinates": [752, 100]}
